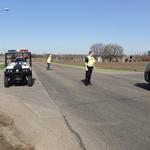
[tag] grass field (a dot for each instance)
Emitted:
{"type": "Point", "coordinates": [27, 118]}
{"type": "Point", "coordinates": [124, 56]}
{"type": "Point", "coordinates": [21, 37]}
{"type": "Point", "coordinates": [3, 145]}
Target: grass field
{"type": "Point", "coordinates": [128, 66]}
{"type": "Point", "coordinates": [118, 66]}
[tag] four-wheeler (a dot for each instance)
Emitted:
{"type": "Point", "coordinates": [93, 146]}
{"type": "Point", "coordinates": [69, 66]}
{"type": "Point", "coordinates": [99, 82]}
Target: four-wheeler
{"type": "Point", "coordinates": [147, 73]}
{"type": "Point", "coordinates": [18, 68]}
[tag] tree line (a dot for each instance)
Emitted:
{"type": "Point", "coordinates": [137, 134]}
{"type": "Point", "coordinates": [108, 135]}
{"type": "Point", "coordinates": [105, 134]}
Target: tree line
{"type": "Point", "coordinates": [107, 51]}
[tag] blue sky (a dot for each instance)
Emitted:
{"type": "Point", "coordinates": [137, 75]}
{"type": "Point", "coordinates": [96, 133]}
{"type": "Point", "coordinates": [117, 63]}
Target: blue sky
{"type": "Point", "coordinates": [72, 26]}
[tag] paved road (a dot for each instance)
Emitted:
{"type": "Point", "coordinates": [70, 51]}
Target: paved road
{"type": "Point", "coordinates": [36, 117]}
{"type": "Point", "coordinates": [112, 114]}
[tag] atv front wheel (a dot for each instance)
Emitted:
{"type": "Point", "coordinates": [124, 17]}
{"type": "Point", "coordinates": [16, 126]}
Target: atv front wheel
{"type": "Point", "coordinates": [29, 82]}
{"type": "Point", "coordinates": [6, 83]}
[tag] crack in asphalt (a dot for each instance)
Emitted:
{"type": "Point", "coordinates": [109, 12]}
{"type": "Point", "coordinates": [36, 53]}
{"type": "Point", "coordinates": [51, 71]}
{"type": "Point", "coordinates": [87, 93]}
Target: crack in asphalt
{"type": "Point", "coordinates": [77, 136]}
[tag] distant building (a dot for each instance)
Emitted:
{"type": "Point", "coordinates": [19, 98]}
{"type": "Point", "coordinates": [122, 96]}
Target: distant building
{"type": "Point", "coordinates": [148, 53]}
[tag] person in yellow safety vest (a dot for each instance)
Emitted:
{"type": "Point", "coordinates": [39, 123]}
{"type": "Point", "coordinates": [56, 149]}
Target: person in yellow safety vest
{"type": "Point", "coordinates": [49, 61]}
{"type": "Point", "coordinates": [89, 65]}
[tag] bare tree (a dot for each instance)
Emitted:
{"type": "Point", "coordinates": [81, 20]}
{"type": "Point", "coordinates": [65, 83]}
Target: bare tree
{"type": "Point", "coordinates": [113, 51]}
{"type": "Point", "coordinates": [98, 49]}
{"type": "Point", "coordinates": [108, 51]}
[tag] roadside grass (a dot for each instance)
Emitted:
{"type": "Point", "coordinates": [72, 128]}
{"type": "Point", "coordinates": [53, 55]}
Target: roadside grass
{"type": "Point", "coordinates": [1, 66]}
{"type": "Point", "coordinates": [138, 67]}
{"type": "Point", "coordinates": [114, 66]}
{"type": "Point", "coordinates": [98, 69]}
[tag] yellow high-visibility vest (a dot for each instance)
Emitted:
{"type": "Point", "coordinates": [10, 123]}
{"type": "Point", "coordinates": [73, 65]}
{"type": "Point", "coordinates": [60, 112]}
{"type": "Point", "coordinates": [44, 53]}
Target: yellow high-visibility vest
{"type": "Point", "coordinates": [49, 60]}
{"type": "Point", "coordinates": [91, 61]}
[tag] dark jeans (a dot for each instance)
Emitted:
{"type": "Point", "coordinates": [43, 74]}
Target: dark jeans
{"type": "Point", "coordinates": [88, 75]}
{"type": "Point", "coordinates": [48, 66]}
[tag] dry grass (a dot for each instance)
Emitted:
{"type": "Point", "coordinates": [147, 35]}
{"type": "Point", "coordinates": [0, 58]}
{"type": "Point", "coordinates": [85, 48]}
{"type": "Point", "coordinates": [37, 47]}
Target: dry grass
{"type": "Point", "coordinates": [127, 66]}
{"type": "Point", "coordinates": [1, 59]}
{"type": "Point", "coordinates": [135, 66]}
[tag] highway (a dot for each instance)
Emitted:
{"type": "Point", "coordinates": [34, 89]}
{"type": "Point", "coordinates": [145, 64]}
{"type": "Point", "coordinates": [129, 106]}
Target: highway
{"type": "Point", "coordinates": [111, 114]}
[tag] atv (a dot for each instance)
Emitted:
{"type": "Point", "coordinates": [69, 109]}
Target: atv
{"type": "Point", "coordinates": [18, 68]}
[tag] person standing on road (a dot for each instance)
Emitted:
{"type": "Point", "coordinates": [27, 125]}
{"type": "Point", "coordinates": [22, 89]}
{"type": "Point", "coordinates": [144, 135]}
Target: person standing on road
{"type": "Point", "coordinates": [89, 65]}
{"type": "Point", "coordinates": [49, 61]}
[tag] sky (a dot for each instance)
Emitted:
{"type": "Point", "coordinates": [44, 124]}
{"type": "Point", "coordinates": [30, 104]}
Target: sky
{"type": "Point", "coordinates": [72, 26]}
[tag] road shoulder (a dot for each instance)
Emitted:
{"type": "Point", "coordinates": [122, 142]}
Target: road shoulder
{"type": "Point", "coordinates": [37, 117]}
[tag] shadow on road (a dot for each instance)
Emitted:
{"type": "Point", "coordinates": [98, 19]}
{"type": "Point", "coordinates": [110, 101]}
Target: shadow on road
{"type": "Point", "coordinates": [25, 83]}
{"type": "Point", "coordinates": [144, 86]}
{"type": "Point", "coordinates": [83, 81]}
{"type": "Point", "coordinates": [50, 69]}
{"type": "Point", "coordinates": [33, 81]}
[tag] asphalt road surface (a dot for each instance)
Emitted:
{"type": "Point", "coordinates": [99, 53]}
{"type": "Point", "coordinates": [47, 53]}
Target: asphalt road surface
{"type": "Point", "coordinates": [112, 114]}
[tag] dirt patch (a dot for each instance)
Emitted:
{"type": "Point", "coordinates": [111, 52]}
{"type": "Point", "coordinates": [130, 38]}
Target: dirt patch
{"type": "Point", "coordinates": [10, 138]}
